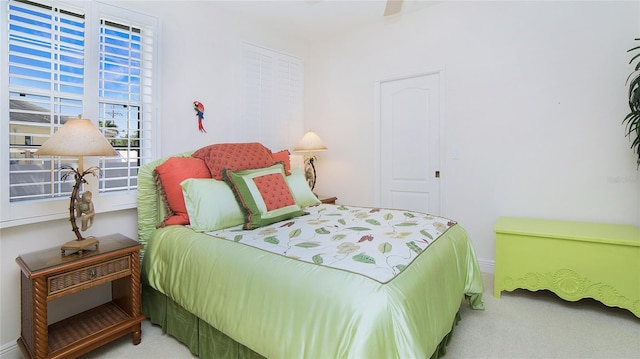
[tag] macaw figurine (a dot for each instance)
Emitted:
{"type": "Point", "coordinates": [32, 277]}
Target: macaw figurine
{"type": "Point", "coordinates": [199, 107]}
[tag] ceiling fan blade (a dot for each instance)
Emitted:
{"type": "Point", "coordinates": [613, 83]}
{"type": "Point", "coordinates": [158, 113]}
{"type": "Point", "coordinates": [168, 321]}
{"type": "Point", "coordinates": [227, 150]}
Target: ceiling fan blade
{"type": "Point", "coordinates": [393, 7]}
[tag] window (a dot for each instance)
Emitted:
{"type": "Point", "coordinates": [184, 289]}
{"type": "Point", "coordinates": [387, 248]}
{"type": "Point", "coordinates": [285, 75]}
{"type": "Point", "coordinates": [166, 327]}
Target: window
{"type": "Point", "coordinates": [66, 59]}
{"type": "Point", "coordinates": [46, 76]}
{"type": "Point", "coordinates": [272, 111]}
{"type": "Point", "coordinates": [124, 82]}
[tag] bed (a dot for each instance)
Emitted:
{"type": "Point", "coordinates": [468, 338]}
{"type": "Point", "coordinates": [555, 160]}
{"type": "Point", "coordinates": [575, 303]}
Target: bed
{"type": "Point", "coordinates": [328, 281]}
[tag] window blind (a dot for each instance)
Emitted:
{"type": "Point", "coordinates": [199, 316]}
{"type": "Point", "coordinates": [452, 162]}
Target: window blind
{"type": "Point", "coordinates": [66, 59]}
{"type": "Point", "coordinates": [125, 87]}
{"type": "Point", "coordinates": [273, 89]}
{"type": "Point", "coordinates": [46, 75]}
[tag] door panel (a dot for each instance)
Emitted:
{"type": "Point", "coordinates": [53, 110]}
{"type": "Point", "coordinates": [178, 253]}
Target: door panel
{"type": "Point", "coordinates": [410, 143]}
{"type": "Point", "coordinates": [409, 200]}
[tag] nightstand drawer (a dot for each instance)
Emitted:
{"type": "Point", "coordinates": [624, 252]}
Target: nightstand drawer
{"type": "Point", "coordinates": [118, 267]}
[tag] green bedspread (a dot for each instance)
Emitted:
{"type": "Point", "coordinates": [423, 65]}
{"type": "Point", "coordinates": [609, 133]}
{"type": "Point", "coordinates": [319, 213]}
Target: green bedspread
{"type": "Point", "coordinates": [284, 307]}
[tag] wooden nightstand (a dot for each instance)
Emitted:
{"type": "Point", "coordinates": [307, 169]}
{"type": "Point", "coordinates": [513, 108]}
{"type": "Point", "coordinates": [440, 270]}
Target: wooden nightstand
{"type": "Point", "coordinates": [47, 275]}
{"type": "Point", "coordinates": [327, 199]}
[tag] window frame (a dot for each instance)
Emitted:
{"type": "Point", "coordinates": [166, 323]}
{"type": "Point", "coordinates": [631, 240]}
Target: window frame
{"type": "Point", "coordinates": [26, 212]}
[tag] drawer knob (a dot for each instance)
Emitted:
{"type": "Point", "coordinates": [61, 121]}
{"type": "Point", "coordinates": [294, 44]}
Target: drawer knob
{"type": "Point", "coordinates": [93, 273]}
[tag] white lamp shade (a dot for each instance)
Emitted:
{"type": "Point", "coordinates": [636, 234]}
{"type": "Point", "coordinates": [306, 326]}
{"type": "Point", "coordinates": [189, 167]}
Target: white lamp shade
{"type": "Point", "coordinates": [77, 137]}
{"type": "Point", "coordinates": [310, 142]}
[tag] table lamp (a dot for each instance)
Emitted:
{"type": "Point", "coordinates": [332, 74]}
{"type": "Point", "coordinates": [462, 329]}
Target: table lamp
{"type": "Point", "coordinates": [78, 138]}
{"type": "Point", "coordinates": [310, 143]}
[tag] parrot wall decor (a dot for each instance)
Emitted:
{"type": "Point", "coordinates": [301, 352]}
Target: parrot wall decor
{"type": "Point", "coordinates": [199, 107]}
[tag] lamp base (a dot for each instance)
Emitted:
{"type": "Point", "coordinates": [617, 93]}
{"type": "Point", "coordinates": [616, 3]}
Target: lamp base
{"type": "Point", "coordinates": [310, 172]}
{"type": "Point", "coordinates": [79, 245]}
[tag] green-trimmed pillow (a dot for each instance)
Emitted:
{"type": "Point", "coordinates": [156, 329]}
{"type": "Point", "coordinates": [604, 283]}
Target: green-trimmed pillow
{"type": "Point", "coordinates": [300, 189]}
{"type": "Point", "coordinates": [211, 204]}
{"type": "Point", "coordinates": [263, 195]}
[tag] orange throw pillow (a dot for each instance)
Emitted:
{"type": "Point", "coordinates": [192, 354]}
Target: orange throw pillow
{"type": "Point", "coordinates": [170, 173]}
{"type": "Point", "coordinates": [283, 156]}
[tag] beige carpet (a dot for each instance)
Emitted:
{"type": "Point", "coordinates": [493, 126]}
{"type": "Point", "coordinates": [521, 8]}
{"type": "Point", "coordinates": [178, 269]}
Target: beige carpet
{"type": "Point", "coordinates": [523, 324]}
{"type": "Point", "coordinates": [519, 325]}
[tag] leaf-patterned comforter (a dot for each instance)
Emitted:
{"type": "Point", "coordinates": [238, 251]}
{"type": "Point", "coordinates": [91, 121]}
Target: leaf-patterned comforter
{"type": "Point", "coordinates": [377, 243]}
{"type": "Point", "coordinates": [347, 282]}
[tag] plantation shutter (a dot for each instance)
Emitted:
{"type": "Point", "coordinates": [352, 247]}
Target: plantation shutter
{"type": "Point", "coordinates": [272, 111]}
{"type": "Point", "coordinates": [125, 109]}
{"type": "Point", "coordinates": [46, 76]}
{"type": "Point", "coordinates": [65, 59]}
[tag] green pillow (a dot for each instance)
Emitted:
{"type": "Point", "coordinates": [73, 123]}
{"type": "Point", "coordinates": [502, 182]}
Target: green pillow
{"type": "Point", "coordinates": [300, 188]}
{"type": "Point", "coordinates": [211, 204]}
{"type": "Point", "coordinates": [263, 194]}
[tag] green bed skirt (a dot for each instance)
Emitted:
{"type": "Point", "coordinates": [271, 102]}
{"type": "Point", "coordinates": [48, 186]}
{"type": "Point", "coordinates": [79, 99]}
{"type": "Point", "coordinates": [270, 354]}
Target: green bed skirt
{"type": "Point", "coordinates": [202, 339]}
{"type": "Point", "coordinates": [206, 341]}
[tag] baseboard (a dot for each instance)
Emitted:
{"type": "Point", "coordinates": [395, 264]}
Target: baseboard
{"type": "Point", "coordinates": [487, 265]}
{"type": "Point", "coordinates": [9, 351]}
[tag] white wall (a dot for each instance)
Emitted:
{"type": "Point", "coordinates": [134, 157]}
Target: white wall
{"type": "Point", "coordinates": [200, 61]}
{"type": "Point", "coordinates": [534, 99]}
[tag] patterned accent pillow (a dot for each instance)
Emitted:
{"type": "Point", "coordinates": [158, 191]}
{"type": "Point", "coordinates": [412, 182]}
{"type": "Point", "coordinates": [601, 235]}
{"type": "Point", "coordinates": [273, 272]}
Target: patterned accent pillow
{"type": "Point", "coordinates": [170, 173]}
{"type": "Point", "coordinates": [234, 157]}
{"type": "Point", "coordinates": [263, 195]}
{"type": "Point", "coordinates": [274, 191]}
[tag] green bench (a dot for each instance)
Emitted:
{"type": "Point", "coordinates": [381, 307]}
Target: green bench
{"type": "Point", "coordinates": [574, 260]}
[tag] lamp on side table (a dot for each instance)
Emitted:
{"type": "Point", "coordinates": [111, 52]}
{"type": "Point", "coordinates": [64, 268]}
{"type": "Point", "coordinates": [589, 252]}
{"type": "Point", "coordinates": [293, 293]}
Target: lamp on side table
{"type": "Point", "coordinates": [310, 143]}
{"type": "Point", "coordinates": [78, 138]}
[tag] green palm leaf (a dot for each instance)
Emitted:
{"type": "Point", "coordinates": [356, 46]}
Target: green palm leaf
{"type": "Point", "coordinates": [632, 120]}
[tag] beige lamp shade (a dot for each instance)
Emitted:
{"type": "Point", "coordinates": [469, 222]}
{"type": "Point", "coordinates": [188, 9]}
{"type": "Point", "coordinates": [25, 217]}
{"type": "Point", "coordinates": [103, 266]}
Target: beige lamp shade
{"type": "Point", "coordinates": [77, 137]}
{"type": "Point", "coordinates": [310, 142]}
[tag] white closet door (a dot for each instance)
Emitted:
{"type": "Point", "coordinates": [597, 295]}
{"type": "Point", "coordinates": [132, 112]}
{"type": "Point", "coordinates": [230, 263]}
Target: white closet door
{"type": "Point", "coordinates": [410, 143]}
